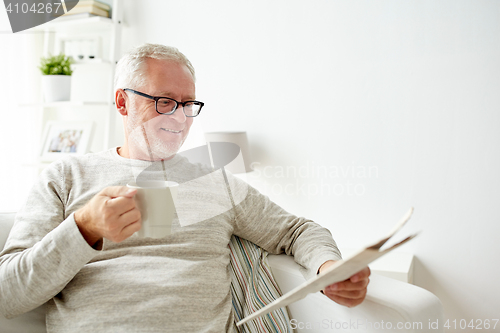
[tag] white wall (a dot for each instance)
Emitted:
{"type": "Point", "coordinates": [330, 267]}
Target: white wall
{"type": "Point", "coordinates": [397, 100]}
{"type": "Point", "coordinates": [403, 93]}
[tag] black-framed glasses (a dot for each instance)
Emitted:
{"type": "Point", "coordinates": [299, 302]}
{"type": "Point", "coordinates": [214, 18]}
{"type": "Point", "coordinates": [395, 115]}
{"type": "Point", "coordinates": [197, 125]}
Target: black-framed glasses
{"type": "Point", "coordinates": [165, 105]}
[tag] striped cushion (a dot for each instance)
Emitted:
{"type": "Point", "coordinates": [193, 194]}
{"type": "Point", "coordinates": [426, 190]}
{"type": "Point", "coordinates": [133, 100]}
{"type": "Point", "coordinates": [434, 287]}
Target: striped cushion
{"type": "Point", "coordinates": [252, 287]}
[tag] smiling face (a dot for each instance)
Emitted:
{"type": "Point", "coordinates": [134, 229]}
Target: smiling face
{"type": "Point", "coordinates": [148, 134]}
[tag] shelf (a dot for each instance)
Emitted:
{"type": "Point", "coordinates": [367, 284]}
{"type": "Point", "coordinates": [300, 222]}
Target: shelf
{"type": "Point", "coordinates": [91, 62]}
{"type": "Point", "coordinates": [63, 104]}
{"type": "Point", "coordinates": [68, 26]}
{"type": "Point", "coordinates": [92, 79]}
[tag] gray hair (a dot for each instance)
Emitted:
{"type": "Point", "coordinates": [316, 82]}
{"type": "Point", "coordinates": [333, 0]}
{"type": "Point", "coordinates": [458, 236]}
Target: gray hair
{"type": "Point", "coordinates": [129, 72]}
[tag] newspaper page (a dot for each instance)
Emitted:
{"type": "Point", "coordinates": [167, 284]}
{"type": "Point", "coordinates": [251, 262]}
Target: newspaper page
{"type": "Point", "coordinates": [340, 271]}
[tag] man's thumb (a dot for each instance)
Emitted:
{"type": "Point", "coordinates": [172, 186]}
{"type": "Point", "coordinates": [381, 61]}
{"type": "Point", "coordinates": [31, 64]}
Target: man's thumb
{"type": "Point", "coordinates": [130, 192]}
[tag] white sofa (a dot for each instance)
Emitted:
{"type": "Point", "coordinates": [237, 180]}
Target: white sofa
{"type": "Point", "coordinates": [405, 307]}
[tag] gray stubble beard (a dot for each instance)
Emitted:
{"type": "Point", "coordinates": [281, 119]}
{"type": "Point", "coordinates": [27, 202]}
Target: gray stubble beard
{"type": "Point", "coordinates": [145, 145]}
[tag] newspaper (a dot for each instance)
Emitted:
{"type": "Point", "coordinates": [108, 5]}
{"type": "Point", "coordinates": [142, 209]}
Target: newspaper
{"type": "Point", "coordinates": [339, 271]}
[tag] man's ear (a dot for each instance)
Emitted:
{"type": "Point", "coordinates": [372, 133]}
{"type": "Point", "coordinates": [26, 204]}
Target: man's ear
{"type": "Point", "coordinates": [121, 100]}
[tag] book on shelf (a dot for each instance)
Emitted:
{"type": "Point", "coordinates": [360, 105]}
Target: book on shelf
{"type": "Point", "coordinates": [93, 7]}
{"type": "Point", "coordinates": [94, 3]}
{"type": "Point", "coordinates": [88, 9]}
{"type": "Point", "coordinates": [72, 17]}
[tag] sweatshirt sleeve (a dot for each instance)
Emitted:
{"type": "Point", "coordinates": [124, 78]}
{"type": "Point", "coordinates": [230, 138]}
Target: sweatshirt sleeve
{"type": "Point", "coordinates": [45, 248]}
{"type": "Point", "coordinates": [266, 224]}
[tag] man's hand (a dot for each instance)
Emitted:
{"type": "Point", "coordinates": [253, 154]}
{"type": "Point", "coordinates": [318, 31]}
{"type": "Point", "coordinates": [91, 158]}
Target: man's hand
{"type": "Point", "coordinates": [350, 292]}
{"type": "Point", "coordinates": [111, 214]}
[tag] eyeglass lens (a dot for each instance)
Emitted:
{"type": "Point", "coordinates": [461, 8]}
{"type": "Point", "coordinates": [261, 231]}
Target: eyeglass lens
{"type": "Point", "coordinates": [166, 105]}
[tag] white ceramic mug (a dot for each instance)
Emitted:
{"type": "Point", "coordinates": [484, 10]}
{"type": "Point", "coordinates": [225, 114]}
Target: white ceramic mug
{"type": "Point", "coordinates": [156, 203]}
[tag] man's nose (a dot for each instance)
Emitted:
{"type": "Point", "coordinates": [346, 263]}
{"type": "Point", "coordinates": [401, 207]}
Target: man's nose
{"type": "Point", "coordinates": [179, 115]}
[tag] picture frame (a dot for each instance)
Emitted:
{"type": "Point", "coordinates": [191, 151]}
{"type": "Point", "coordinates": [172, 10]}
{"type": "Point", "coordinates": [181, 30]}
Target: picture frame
{"type": "Point", "coordinates": [63, 138]}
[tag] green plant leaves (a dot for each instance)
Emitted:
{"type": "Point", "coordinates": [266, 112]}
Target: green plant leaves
{"type": "Point", "coordinates": [56, 65]}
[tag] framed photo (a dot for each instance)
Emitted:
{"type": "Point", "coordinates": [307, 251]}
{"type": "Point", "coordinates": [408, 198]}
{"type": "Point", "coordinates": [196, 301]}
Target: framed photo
{"type": "Point", "coordinates": [65, 138]}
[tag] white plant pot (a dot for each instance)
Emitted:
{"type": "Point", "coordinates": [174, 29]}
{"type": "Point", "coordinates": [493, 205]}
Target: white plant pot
{"type": "Point", "coordinates": [56, 87]}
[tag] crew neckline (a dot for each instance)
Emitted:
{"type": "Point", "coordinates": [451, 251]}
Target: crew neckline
{"type": "Point", "coordinates": [142, 163]}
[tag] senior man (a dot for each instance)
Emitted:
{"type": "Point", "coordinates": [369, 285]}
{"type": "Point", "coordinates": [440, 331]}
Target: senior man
{"type": "Point", "coordinates": [74, 245]}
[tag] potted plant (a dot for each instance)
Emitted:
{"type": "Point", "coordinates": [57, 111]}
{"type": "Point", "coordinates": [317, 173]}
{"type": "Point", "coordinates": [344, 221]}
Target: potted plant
{"type": "Point", "coordinates": [56, 77]}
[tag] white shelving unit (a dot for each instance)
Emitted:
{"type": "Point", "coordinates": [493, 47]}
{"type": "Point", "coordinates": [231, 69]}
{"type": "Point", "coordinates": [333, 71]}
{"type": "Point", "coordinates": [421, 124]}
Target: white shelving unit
{"type": "Point", "coordinates": [92, 96]}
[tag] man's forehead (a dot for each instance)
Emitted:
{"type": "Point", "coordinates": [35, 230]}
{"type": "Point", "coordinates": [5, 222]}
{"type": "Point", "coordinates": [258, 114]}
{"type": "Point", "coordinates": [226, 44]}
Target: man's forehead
{"type": "Point", "coordinates": [167, 78]}
{"type": "Point", "coordinates": [168, 93]}
{"type": "Point", "coordinates": [166, 64]}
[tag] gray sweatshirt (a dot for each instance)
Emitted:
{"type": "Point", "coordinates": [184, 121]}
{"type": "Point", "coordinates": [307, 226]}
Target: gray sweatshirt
{"type": "Point", "coordinates": [180, 283]}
